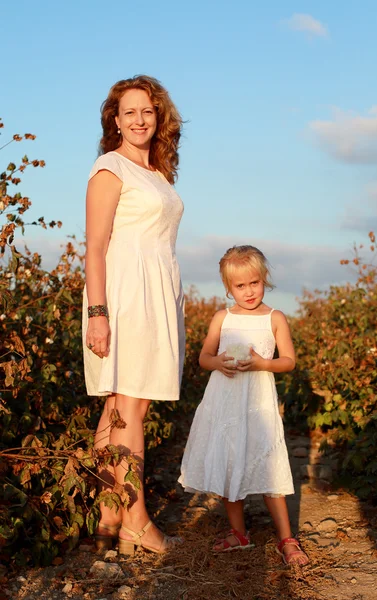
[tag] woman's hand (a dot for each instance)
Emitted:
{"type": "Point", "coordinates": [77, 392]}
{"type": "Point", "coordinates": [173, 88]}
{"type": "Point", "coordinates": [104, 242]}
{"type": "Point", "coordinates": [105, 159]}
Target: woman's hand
{"type": "Point", "coordinates": [221, 363]}
{"type": "Point", "coordinates": [98, 336]}
{"type": "Point", "coordinates": [254, 363]}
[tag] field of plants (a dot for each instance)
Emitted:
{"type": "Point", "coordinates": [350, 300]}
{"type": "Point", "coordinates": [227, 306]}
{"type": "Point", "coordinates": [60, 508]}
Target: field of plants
{"type": "Point", "coordinates": [48, 465]}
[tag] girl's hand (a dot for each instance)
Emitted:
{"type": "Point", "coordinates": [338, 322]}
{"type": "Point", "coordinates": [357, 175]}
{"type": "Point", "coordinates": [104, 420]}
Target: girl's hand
{"type": "Point", "coordinates": [254, 363]}
{"type": "Point", "coordinates": [221, 363]}
{"type": "Point", "coordinates": [98, 336]}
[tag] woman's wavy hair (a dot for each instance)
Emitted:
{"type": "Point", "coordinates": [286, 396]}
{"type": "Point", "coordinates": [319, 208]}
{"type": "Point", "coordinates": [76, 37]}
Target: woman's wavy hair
{"type": "Point", "coordinates": [245, 258]}
{"type": "Point", "coordinates": [165, 142]}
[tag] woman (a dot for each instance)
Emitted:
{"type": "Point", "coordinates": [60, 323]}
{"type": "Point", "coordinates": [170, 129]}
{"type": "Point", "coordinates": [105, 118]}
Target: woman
{"type": "Point", "coordinates": [133, 328]}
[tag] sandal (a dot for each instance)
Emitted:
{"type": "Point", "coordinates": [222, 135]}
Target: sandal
{"type": "Point", "coordinates": [128, 546]}
{"type": "Point", "coordinates": [106, 542]}
{"type": "Point", "coordinates": [243, 542]}
{"type": "Point", "coordinates": [289, 560]}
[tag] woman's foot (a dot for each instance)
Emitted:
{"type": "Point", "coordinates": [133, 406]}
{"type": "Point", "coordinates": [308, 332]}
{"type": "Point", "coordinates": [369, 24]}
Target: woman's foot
{"type": "Point", "coordinates": [234, 540]}
{"type": "Point", "coordinates": [148, 537]}
{"type": "Point", "coordinates": [105, 535]}
{"type": "Point", "coordinates": [291, 552]}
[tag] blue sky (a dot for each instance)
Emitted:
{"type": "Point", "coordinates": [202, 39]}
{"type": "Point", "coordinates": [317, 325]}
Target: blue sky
{"type": "Point", "coordinates": [279, 99]}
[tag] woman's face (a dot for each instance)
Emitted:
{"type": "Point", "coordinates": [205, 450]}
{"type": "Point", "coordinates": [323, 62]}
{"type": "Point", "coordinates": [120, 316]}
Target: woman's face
{"type": "Point", "coordinates": [137, 119]}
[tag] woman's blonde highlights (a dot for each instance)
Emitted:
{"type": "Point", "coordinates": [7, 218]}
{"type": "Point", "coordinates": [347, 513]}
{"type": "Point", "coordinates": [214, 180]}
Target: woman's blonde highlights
{"type": "Point", "coordinates": [165, 142]}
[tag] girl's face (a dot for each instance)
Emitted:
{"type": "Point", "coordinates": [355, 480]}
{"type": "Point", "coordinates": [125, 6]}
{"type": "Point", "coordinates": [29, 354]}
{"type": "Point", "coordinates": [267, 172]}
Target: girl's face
{"type": "Point", "coordinates": [137, 118]}
{"type": "Point", "coordinates": [247, 288]}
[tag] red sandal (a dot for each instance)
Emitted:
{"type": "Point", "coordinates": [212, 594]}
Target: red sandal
{"type": "Point", "coordinates": [243, 542]}
{"type": "Point", "coordinates": [289, 560]}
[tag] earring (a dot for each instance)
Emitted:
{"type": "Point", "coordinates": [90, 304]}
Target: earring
{"type": "Point", "coordinates": [118, 130]}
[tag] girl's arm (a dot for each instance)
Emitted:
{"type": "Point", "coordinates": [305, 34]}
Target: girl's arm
{"type": "Point", "coordinates": [209, 359]}
{"type": "Point", "coordinates": [286, 361]}
{"type": "Point", "coordinates": [101, 201]}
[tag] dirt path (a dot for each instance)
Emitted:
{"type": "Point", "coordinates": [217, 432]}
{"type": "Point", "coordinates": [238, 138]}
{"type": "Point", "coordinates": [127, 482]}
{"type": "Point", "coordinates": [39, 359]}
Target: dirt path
{"type": "Point", "coordinates": [339, 534]}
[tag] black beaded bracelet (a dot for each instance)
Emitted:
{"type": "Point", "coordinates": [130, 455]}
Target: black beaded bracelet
{"type": "Point", "coordinates": [98, 310]}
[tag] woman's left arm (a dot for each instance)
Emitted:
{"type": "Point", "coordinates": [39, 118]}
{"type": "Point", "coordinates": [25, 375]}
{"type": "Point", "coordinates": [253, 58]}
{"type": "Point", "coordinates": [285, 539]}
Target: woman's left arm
{"type": "Point", "coordinates": [286, 361]}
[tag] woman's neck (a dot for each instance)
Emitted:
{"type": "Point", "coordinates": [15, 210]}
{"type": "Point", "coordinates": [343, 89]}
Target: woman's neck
{"type": "Point", "coordinates": [140, 156]}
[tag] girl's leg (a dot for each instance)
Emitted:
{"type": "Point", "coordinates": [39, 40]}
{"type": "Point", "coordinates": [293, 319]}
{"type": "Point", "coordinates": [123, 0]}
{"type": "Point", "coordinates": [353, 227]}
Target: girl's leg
{"type": "Point", "coordinates": [107, 474]}
{"type": "Point", "coordinates": [279, 512]}
{"type": "Point", "coordinates": [131, 441]}
{"type": "Point", "coordinates": [235, 513]}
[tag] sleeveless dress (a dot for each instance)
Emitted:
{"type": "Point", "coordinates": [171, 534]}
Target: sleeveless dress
{"type": "Point", "coordinates": [236, 444]}
{"type": "Point", "coordinates": [143, 289]}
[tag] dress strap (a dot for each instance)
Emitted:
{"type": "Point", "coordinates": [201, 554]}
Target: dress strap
{"type": "Point", "coordinates": [270, 318]}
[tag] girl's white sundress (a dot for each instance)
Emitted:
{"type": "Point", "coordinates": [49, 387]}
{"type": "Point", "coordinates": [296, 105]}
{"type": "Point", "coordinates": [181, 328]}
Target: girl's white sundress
{"type": "Point", "coordinates": [236, 444]}
{"type": "Point", "coordinates": [143, 289]}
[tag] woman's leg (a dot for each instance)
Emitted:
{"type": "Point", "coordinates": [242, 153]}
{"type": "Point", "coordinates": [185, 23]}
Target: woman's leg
{"type": "Point", "coordinates": [131, 441]}
{"type": "Point", "coordinates": [279, 512]}
{"type": "Point", "coordinates": [107, 474]}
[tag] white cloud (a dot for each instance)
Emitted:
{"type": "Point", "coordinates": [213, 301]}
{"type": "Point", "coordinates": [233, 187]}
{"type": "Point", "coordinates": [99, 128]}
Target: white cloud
{"type": "Point", "coordinates": [372, 190]}
{"type": "Point", "coordinates": [361, 215]}
{"type": "Point", "coordinates": [348, 137]}
{"type": "Point", "coordinates": [49, 247]}
{"type": "Point", "coordinates": [294, 266]}
{"type": "Point", "coordinates": [307, 24]}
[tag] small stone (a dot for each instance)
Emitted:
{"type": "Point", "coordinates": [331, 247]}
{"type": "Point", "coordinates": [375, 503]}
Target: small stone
{"type": "Point", "coordinates": [197, 509]}
{"type": "Point", "coordinates": [124, 591]}
{"type": "Point", "coordinates": [353, 580]}
{"type": "Point", "coordinates": [110, 554]}
{"type": "Point", "coordinates": [105, 569]}
{"type": "Point", "coordinates": [21, 579]}
{"type": "Point", "coordinates": [325, 472]}
{"type": "Point", "coordinates": [67, 588]}
{"type": "Point", "coordinates": [309, 471]}
{"type": "Point", "coordinates": [173, 518]}
{"type": "Point", "coordinates": [332, 497]}
{"type": "Point", "coordinates": [301, 441]}
{"type": "Point", "coordinates": [326, 543]}
{"type": "Point", "coordinates": [85, 548]}
{"type": "Point", "coordinates": [300, 452]}
{"type": "Point", "coordinates": [327, 525]}
{"type": "Point", "coordinates": [265, 520]}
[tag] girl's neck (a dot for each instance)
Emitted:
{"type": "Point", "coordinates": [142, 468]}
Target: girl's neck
{"type": "Point", "coordinates": [260, 310]}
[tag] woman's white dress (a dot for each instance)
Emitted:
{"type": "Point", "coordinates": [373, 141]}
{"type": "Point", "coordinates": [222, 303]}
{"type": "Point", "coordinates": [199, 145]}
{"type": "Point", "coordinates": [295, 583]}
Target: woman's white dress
{"type": "Point", "coordinates": [143, 289]}
{"type": "Point", "coordinates": [236, 444]}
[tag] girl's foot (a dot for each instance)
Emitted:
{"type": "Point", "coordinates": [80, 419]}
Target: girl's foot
{"type": "Point", "coordinates": [291, 552]}
{"type": "Point", "coordinates": [234, 540]}
{"type": "Point", "coordinates": [148, 537]}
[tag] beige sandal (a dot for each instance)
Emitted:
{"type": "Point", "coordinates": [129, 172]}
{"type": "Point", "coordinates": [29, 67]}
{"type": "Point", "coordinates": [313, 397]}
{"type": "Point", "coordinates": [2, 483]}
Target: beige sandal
{"type": "Point", "coordinates": [128, 546]}
{"type": "Point", "coordinates": [106, 542]}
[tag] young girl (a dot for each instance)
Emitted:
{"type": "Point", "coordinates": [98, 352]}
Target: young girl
{"type": "Point", "coordinates": [236, 444]}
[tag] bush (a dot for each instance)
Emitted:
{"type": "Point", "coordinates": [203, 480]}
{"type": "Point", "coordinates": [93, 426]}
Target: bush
{"type": "Point", "coordinates": [334, 385]}
{"type": "Point", "coordinates": [47, 461]}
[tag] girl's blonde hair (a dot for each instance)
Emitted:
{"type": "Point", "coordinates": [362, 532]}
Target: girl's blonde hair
{"type": "Point", "coordinates": [245, 258]}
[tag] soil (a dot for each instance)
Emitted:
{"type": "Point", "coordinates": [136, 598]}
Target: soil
{"type": "Point", "coordinates": [338, 532]}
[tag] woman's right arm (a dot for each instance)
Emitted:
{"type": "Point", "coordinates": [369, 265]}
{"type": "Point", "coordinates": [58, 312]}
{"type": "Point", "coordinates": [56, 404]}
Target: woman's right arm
{"type": "Point", "coordinates": [101, 202]}
{"type": "Point", "coordinates": [209, 359]}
